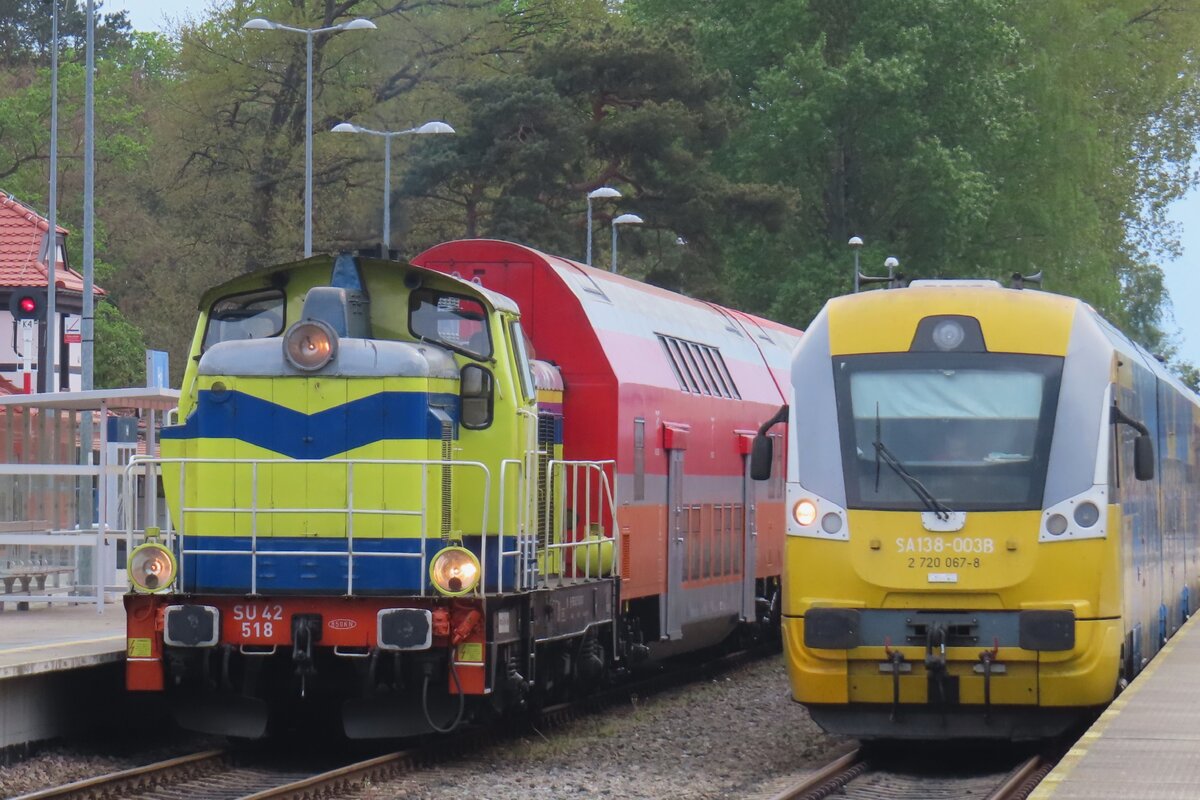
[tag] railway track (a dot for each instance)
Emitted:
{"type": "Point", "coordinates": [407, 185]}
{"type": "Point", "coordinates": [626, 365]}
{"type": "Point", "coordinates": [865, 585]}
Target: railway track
{"type": "Point", "coordinates": [860, 776]}
{"type": "Point", "coordinates": [255, 774]}
{"type": "Point", "coordinates": [225, 775]}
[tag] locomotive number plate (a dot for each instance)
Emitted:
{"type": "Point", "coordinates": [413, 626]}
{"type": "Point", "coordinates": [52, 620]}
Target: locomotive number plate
{"type": "Point", "coordinates": [259, 622]}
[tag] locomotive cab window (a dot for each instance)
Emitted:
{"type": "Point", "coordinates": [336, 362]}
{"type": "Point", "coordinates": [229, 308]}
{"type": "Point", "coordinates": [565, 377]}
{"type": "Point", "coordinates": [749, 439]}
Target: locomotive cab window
{"type": "Point", "coordinates": [455, 321]}
{"type": "Point", "coordinates": [252, 315]}
{"type": "Point", "coordinates": [974, 429]}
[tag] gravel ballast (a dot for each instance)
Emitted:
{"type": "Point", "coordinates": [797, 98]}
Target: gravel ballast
{"type": "Point", "coordinates": [738, 735]}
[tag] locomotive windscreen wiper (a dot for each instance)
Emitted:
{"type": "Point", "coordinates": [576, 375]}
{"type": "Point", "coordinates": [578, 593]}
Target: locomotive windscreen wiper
{"type": "Point", "coordinates": [882, 453]}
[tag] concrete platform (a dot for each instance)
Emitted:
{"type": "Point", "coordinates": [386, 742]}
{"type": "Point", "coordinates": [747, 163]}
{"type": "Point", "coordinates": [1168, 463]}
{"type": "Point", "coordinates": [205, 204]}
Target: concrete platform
{"type": "Point", "coordinates": [61, 672]}
{"type": "Point", "coordinates": [60, 637]}
{"type": "Point", "coordinates": [1146, 745]}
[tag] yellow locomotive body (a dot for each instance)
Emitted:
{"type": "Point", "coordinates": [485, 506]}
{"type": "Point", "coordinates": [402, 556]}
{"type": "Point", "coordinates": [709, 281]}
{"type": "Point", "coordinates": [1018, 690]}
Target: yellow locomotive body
{"type": "Point", "coordinates": [991, 512]}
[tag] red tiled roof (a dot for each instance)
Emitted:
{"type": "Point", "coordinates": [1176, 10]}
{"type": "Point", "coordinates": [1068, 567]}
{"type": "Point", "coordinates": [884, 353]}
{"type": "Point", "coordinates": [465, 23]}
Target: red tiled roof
{"type": "Point", "coordinates": [21, 232]}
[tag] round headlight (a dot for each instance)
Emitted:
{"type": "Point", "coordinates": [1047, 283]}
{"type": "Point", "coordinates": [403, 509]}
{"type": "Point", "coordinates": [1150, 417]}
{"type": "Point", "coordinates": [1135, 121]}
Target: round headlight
{"type": "Point", "coordinates": [151, 567]}
{"type": "Point", "coordinates": [309, 345]}
{"type": "Point", "coordinates": [1057, 524]}
{"type": "Point", "coordinates": [1087, 515]}
{"type": "Point", "coordinates": [948, 335]}
{"type": "Point", "coordinates": [831, 523]}
{"type": "Point", "coordinates": [454, 571]}
{"type": "Point", "coordinates": [805, 512]}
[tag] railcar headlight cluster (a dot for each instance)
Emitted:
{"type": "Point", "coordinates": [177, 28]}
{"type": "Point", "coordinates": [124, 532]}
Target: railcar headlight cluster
{"type": "Point", "coordinates": [948, 335]}
{"type": "Point", "coordinates": [831, 523]}
{"type": "Point", "coordinates": [1086, 515]}
{"type": "Point", "coordinates": [152, 567]}
{"type": "Point", "coordinates": [454, 571]}
{"type": "Point", "coordinates": [805, 512]}
{"type": "Point", "coordinates": [309, 345]}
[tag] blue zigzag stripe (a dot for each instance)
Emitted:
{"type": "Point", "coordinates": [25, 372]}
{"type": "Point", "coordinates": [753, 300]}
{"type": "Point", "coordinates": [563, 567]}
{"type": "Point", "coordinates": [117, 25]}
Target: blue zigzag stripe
{"type": "Point", "coordinates": [387, 415]}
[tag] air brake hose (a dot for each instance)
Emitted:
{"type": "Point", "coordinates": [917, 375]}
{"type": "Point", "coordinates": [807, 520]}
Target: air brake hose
{"type": "Point", "coordinates": [462, 701]}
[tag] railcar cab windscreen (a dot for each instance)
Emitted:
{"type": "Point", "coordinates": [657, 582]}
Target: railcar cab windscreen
{"type": "Point", "coordinates": [250, 315]}
{"type": "Point", "coordinates": [454, 321]}
{"type": "Point", "coordinates": [974, 429]}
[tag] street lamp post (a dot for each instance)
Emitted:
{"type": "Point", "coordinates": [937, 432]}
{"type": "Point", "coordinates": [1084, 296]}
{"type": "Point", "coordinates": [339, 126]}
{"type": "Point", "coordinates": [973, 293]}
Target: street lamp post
{"type": "Point", "coordinates": [856, 244]}
{"type": "Point", "coordinates": [604, 192]}
{"type": "Point", "coordinates": [624, 219]}
{"type": "Point", "coordinates": [259, 24]}
{"type": "Point", "coordinates": [429, 127]}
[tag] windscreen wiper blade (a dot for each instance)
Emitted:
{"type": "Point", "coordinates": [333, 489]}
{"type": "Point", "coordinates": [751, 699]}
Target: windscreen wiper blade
{"type": "Point", "coordinates": [926, 497]}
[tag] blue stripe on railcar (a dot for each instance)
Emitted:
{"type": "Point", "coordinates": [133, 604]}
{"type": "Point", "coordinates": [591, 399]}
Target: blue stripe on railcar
{"type": "Point", "coordinates": [326, 574]}
{"type": "Point", "coordinates": [386, 415]}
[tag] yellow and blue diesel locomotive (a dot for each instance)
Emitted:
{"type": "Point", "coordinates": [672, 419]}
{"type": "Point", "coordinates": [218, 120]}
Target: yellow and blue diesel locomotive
{"type": "Point", "coordinates": [403, 495]}
{"type": "Point", "coordinates": [992, 512]}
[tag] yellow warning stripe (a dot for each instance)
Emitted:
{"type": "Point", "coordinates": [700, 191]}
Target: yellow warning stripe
{"type": "Point", "coordinates": [70, 643]}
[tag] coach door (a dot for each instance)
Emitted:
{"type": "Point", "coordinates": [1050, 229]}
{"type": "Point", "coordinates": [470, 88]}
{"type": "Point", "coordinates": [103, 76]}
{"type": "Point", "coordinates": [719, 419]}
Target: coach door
{"type": "Point", "coordinates": [673, 608]}
{"type": "Point", "coordinates": [749, 540]}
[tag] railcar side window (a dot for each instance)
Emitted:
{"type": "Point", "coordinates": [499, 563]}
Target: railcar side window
{"type": "Point", "coordinates": [252, 315]}
{"type": "Point", "coordinates": [460, 323]}
{"type": "Point", "coordinates": [523, 370]}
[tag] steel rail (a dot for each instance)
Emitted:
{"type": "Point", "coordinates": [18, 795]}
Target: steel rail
{"type": "Point", "coordinates": [116, 784]}
{"type": "Point", "coordinates": [827, 779]}
{"type": "Point", "coordinates": [1023, 779]}
{"type": "Point", "coordinates": [342, 777]}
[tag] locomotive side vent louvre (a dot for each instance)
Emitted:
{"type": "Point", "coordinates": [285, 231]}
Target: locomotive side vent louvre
{"type": "Point", "coordinates": [699, 368]}
{"type": "Point", "coordinates": [545, 488]}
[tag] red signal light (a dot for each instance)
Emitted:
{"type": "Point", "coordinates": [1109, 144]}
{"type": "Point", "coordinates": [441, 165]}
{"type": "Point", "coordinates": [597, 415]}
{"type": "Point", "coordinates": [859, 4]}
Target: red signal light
{"type": "Point", "coordinates": [28, 305]}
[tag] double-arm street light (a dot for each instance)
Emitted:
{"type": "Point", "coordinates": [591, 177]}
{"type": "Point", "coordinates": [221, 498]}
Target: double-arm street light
{"type": "Point", "coordinates": [259, 24]}
{"type": "Point", "coordinates": [624, 219]}
{"type": "Point", "coordinates": [433, 126]}
{"type": "Point", "coordinates": [604, 192]}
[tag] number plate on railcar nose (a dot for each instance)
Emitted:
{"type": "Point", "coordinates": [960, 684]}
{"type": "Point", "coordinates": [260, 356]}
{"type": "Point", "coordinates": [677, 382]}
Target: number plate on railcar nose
{"type": "Point", "coordinates": [936, 553]}
{"type": "Point", "coordinates": [259, 623]}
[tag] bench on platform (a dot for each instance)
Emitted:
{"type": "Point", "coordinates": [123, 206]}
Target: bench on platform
{"type": "Point", "coordinates": [19, 576]}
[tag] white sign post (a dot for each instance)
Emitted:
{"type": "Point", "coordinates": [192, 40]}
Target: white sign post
{"type": "Point", "coordinates": [27, 355]}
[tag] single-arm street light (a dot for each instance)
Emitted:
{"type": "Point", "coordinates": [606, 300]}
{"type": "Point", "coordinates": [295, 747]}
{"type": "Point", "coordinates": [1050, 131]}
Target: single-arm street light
{"type": "Point", "coordinates": [624, 219]}
{"type": "Point", "coordinates": [856, 244]}
{"type": "Point", "coordinates": [259, 24]}
{"type": "Point", "coordinates": [603, 192]}
{"type": "Point", "coordinates": [429, 127]}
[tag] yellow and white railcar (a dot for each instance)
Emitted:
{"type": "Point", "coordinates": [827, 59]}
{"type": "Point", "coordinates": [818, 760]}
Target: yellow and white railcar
{"type": "Point", "coordinates": [992, 523]}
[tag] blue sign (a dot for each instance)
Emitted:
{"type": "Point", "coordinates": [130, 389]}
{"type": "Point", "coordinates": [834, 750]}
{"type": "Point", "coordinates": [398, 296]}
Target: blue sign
{"type": "Point", "coordinates": [158, 369]}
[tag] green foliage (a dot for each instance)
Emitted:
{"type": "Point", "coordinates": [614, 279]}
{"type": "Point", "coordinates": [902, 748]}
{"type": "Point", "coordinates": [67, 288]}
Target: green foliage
{"type": "Point", "coordinates": [120, 350]}
{"type": "Point", "coordinates": [966, 137]}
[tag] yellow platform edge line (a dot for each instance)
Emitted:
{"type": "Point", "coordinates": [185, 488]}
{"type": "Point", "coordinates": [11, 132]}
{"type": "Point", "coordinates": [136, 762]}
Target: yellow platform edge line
{"type": "Point", "coordinates": [1049, 785]}
{"type": "Point", "coordinates": [66, 643]}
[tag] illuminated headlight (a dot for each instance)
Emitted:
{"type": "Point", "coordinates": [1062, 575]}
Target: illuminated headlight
{"type": "Point", "coordinates": [1086, 515]}
{"type": "Point", "coordinates": [309, 345]}
{"type": "Point", "coordinates": [805, 513]}
{"type": "Point", "coordinates": [948, 335]}
{"type": "Point", "coordinates": [152, 567]}
{"type": "Point", "coordinates": [454, 571]}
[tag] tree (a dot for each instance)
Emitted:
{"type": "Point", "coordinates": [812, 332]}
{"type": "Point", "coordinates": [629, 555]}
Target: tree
{"type": "Point", "coordinates": [607, 106]}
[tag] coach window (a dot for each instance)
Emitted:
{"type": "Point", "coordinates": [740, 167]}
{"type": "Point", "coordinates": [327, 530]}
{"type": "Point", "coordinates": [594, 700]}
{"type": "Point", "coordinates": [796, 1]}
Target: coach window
{"type": "Point", "coordinates": [521, 348]}
{"type": "Point", "coordinates": [455, 321]}
{"type": "Point", "coordinates": [250, 315]}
